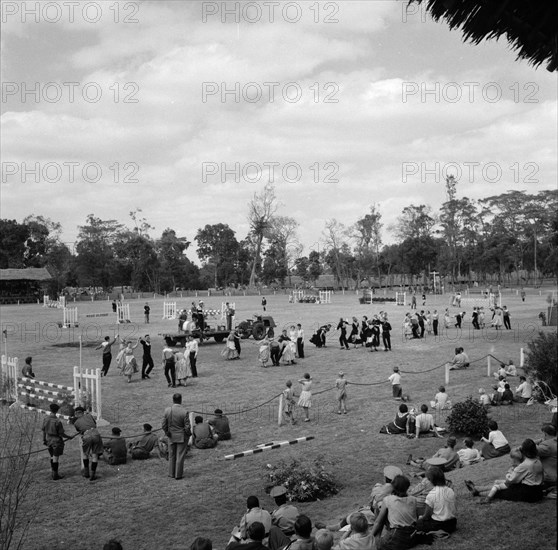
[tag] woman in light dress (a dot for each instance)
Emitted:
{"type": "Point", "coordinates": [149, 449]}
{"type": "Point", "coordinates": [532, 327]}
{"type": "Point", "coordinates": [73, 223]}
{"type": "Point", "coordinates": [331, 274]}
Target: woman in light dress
{"type": "Point", "coordinates": [130, 364]}
{"type": "Point", "coordinates": [305, 399]}
{"type": "Point", "coordinates": [264, 351]}
{"type": "Point", "coordinates": [183, 366]}
{"type": "Point", "coordinates": [497, 318]}
{"type": "Point", "coordinates": [230, 352]}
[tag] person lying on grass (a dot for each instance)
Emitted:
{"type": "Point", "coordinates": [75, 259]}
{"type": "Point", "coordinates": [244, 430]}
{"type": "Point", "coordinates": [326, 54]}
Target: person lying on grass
{"type": "Point", "coordinates": [523, 482]}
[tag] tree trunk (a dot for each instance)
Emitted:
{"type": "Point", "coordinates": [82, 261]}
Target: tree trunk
{"type": "Point", "coordinates": [252, 282]}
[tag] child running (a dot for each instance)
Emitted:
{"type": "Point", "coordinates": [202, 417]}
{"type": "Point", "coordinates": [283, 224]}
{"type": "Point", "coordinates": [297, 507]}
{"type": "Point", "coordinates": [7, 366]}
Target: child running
{"type": "Point", "coordinates": [341, 385]}
{"type": "Point", "coordinates": [305, 399]}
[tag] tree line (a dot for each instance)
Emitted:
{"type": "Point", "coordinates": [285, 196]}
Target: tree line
{"type": "Point", "coordinates": [514, 233]}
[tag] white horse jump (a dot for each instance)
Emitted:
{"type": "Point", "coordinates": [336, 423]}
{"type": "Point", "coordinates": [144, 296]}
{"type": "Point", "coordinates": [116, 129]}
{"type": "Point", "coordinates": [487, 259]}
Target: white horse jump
{"type": "Point", "coordinates": [325, 296]}
{"type": "Point", "coordinates": [401, 298]}
{"type": "Point", "coordinates": [70, 318]}
{"type": "Point", "coordinates": [60, 303]}
{"type": "Point", "coordinates": [85, 392]}
{"type": "Point", "coordinates": [123, 313]}
{"type": "Point", "coordinates": [169, 310]}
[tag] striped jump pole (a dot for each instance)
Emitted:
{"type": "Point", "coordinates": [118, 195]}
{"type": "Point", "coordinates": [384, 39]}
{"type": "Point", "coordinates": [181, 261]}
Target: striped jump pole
{"type": "Point", "coordinates": [269, 447]}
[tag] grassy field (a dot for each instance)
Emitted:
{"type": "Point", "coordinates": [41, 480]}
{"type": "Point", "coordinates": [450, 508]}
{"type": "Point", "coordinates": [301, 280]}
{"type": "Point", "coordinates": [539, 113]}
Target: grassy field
{"type": "Point", "coordinates": [139, 505]}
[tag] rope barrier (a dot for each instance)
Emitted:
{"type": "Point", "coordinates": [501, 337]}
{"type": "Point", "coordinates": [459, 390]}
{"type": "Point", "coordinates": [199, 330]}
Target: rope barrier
{"type": "Point", "coordinates": [264, 403]}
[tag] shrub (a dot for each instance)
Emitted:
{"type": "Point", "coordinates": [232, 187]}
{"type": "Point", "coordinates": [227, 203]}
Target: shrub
{"type": "Point", "coordinates": [540, 359]}
{"type": "Point", "coordinates": [468, 418]}
{"type": "Point", "coordinates": [304, 483]}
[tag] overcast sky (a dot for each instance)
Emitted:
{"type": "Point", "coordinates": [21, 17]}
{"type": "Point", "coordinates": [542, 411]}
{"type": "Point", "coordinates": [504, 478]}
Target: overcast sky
{"type": "Point", "coordinates": [371, 105]}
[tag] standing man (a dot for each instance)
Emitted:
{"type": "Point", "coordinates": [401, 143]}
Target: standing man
{"type": "Point", "coordinates": [27, 370]}
{"type": "Point", "coordinates": [107, 353]}
{"type": "Point", "coordinates": [53, 438]}
{"type": "Point", "coordinates": [91, 442]}
{"type": "Point", "coordinates": [506, 314]}
{"type": "Point", "coordinates": [420, 318]}
{"type": "Point", "coordinates": [146, 312]}
{"type": "Point", "coordinates": [522, 294]}
{"type": "Point", "coordinates": [201, 320]}
{"type": "Point", "coordinates": [229, 314]}
{"type": "Point", "coordinates": [264, 303]}
{"type": "Point", "coordinates": [169, 364]}
{"type": "Point", "coordinates": [300, 341]}
{"type": "Point", "coordinates": [435, 320]}
{"type": "Point", "coordinates": [386, 329]}
{"type": "Point", "coordinates": [193, 348]}
{"type": "Point", "coordinates": [177, 428]}
{"type": "Point", "coordinates": [236, 336]}
{"type": "Point", "coordinates": [147, 360]}
{"type": "Point", "coordinates": [475, 319]}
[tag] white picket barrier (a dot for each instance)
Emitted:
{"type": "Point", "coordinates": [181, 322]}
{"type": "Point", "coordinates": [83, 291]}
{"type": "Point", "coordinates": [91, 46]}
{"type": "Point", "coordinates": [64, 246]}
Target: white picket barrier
{"type": "Point", "coordinates": [401, 298]}
{"type": "Point", "coordinates": [8, 378]}
{"type": "Point", "coordinates": [60, 303]}
{"type": "Point", "coordinates": [123, 313]}
{"type": "Point", "coordinates": [325, 296]}
{"type": "Point", "coordinates": [70, 318]}
{"type": "Point", "coordinates": [169, 310]}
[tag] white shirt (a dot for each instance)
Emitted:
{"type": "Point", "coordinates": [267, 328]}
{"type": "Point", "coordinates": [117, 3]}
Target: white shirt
{"type": "Point", "coordinates": [441, 399]}
{"type": "Point", "coordinates": [442, 501]}
{"type": "Point", "coordinates": [300, 333]}
{"type": "Point", "coordinates": [395, 378]}
{"type": "Point", "coordinates": [468, 456]}
{"type": "Point", "coordinates": [496, 437]}
{"type": "Point", "coordinates": [194, 346]}
{"type": "Point", "coordinates": [525, 390]}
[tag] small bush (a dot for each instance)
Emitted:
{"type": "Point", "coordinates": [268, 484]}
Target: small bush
{"type": "Point", "coordinates": [304, 483]}
{"type": "Point", "coordinates": [541, 357]}
{"type": "Point", "coordinates": [468, 418]}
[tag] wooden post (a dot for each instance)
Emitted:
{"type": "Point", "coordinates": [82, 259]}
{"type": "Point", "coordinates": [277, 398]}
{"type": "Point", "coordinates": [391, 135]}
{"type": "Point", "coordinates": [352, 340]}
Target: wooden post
{"type": "Point", "coordinates": [488, 367]}
{"type": "Point", "coordinates": [521, 357]}
{"type": "Point", "coordinates": [447, 373]}
{"type": "Point", "coordinates": [280, 413]}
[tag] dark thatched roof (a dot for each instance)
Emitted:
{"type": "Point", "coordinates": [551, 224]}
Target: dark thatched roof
{"type": "Point", "coordinates": [530, 26]}
{"type": "Point", "coordinates": [28, 274]}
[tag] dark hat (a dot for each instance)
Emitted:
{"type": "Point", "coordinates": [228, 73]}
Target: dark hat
{"type": "Point", "coordinates": [218, 411]}
{"type": "Point", "coordinates": [278, 491]}
{"type": "Point", "coordinates": [79, 409]}
{"type": "Point", "coordinates": [116, 431]}
{"type": "Point", "coordinates": [147, 427]}
{"type": "Point", "coordinates": [54, 407]}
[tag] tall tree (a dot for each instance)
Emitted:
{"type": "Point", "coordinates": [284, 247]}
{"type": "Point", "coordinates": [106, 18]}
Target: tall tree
{"type": "Point", "coordinates": [367, 234]}
{"type": "Point", "coordinates": [335, 236]}
{"type": "Point", "coordinates": [218, 247]}
{"type": "Point", "coordinates": [261, 210]}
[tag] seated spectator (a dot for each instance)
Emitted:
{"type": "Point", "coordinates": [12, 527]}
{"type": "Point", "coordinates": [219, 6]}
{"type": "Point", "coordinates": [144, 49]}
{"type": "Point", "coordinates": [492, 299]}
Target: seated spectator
{"type": "Point", "coordinates": [469, 455]}
{"type": "Point", "coordinates": [201, 544]}
{"type": "Point", "coordinates": [358, 537]}
{"type": "Point", "coordinates": [499, 390]}
{"type": "Point", "coordinates": [27, 369]}
{"type": "Point", "coordinates": [507, 395]}
{"type": "Point", "coordinates": [285, 515]}
{"type": "Point", "coordinates": [449, 458]}
{"type": "Point", "coordinates": [524, 480]}
{"type": "Point", "coordinates": [440, 510]}
{"type": "Point", "coordinates": [524, 391]}
{"type": "Point", "coordinates": [345, 521]}
{"type": "Point", "coordinates": [141, 449]}
{"type": "Point", "coordinates": [400, 424]}
{"type": "Point", "coordinates": [441, 400]}
{"type": "Point", "coordinates": [254, 537]}
{"type": "Point", "coordinates": [115, 448]}
{"type": "Point", "coordinates": [202, 434]}
{"type": "Point", "coordinates": [381, 490]}
{"type": "Point", "coordinates": [399, 512]}
{"type": "Point", "coordinates": [253, 513]}
{"type": "Point", "coordinates": [496, 444]}
{"type": "Point", "coordinates": [420, 492]}
{"type": "Point", "coordinates": [511, 369]}
{"type": "Point", "coordinates": [302, 539]}
{"type": "Point", "coordinates": [460, 361]}
{"type": "Point", "coordinates": [500, 372]}
{"type": "Point", "coordinates": [424, 423]}
{"type": "Point", "coordinates": [323, 540]}
{"type": "Point", "coordinates": [220, 425]}
{"type": "Point", "coordinates": [546, 449]}
{"type": "Point", "coordinates": [484, 398]}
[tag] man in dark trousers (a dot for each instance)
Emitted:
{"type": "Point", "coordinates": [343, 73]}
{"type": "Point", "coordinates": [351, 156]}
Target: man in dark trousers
{"type": "Point", "coordinates": [147, 359]}
{"type": "Point", "coordinates": [107, 354]}
{"type": "Point", "coordinates": [177, 428]}
{"type": "Point", "coordinates": [386, 329]}
{"type": "Point", "coordinates": [420, 318]}
{"type": "Point", "coordinates": [264, 303]}
{"type": "Point", "coordinates": [146, 312]}
{"type": "Point", "coordinates": [237, 341]}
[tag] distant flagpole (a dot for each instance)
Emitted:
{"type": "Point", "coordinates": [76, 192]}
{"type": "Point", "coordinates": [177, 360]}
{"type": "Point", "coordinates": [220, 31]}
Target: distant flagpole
{"type": "Point", "coordinates": [5, 340]}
